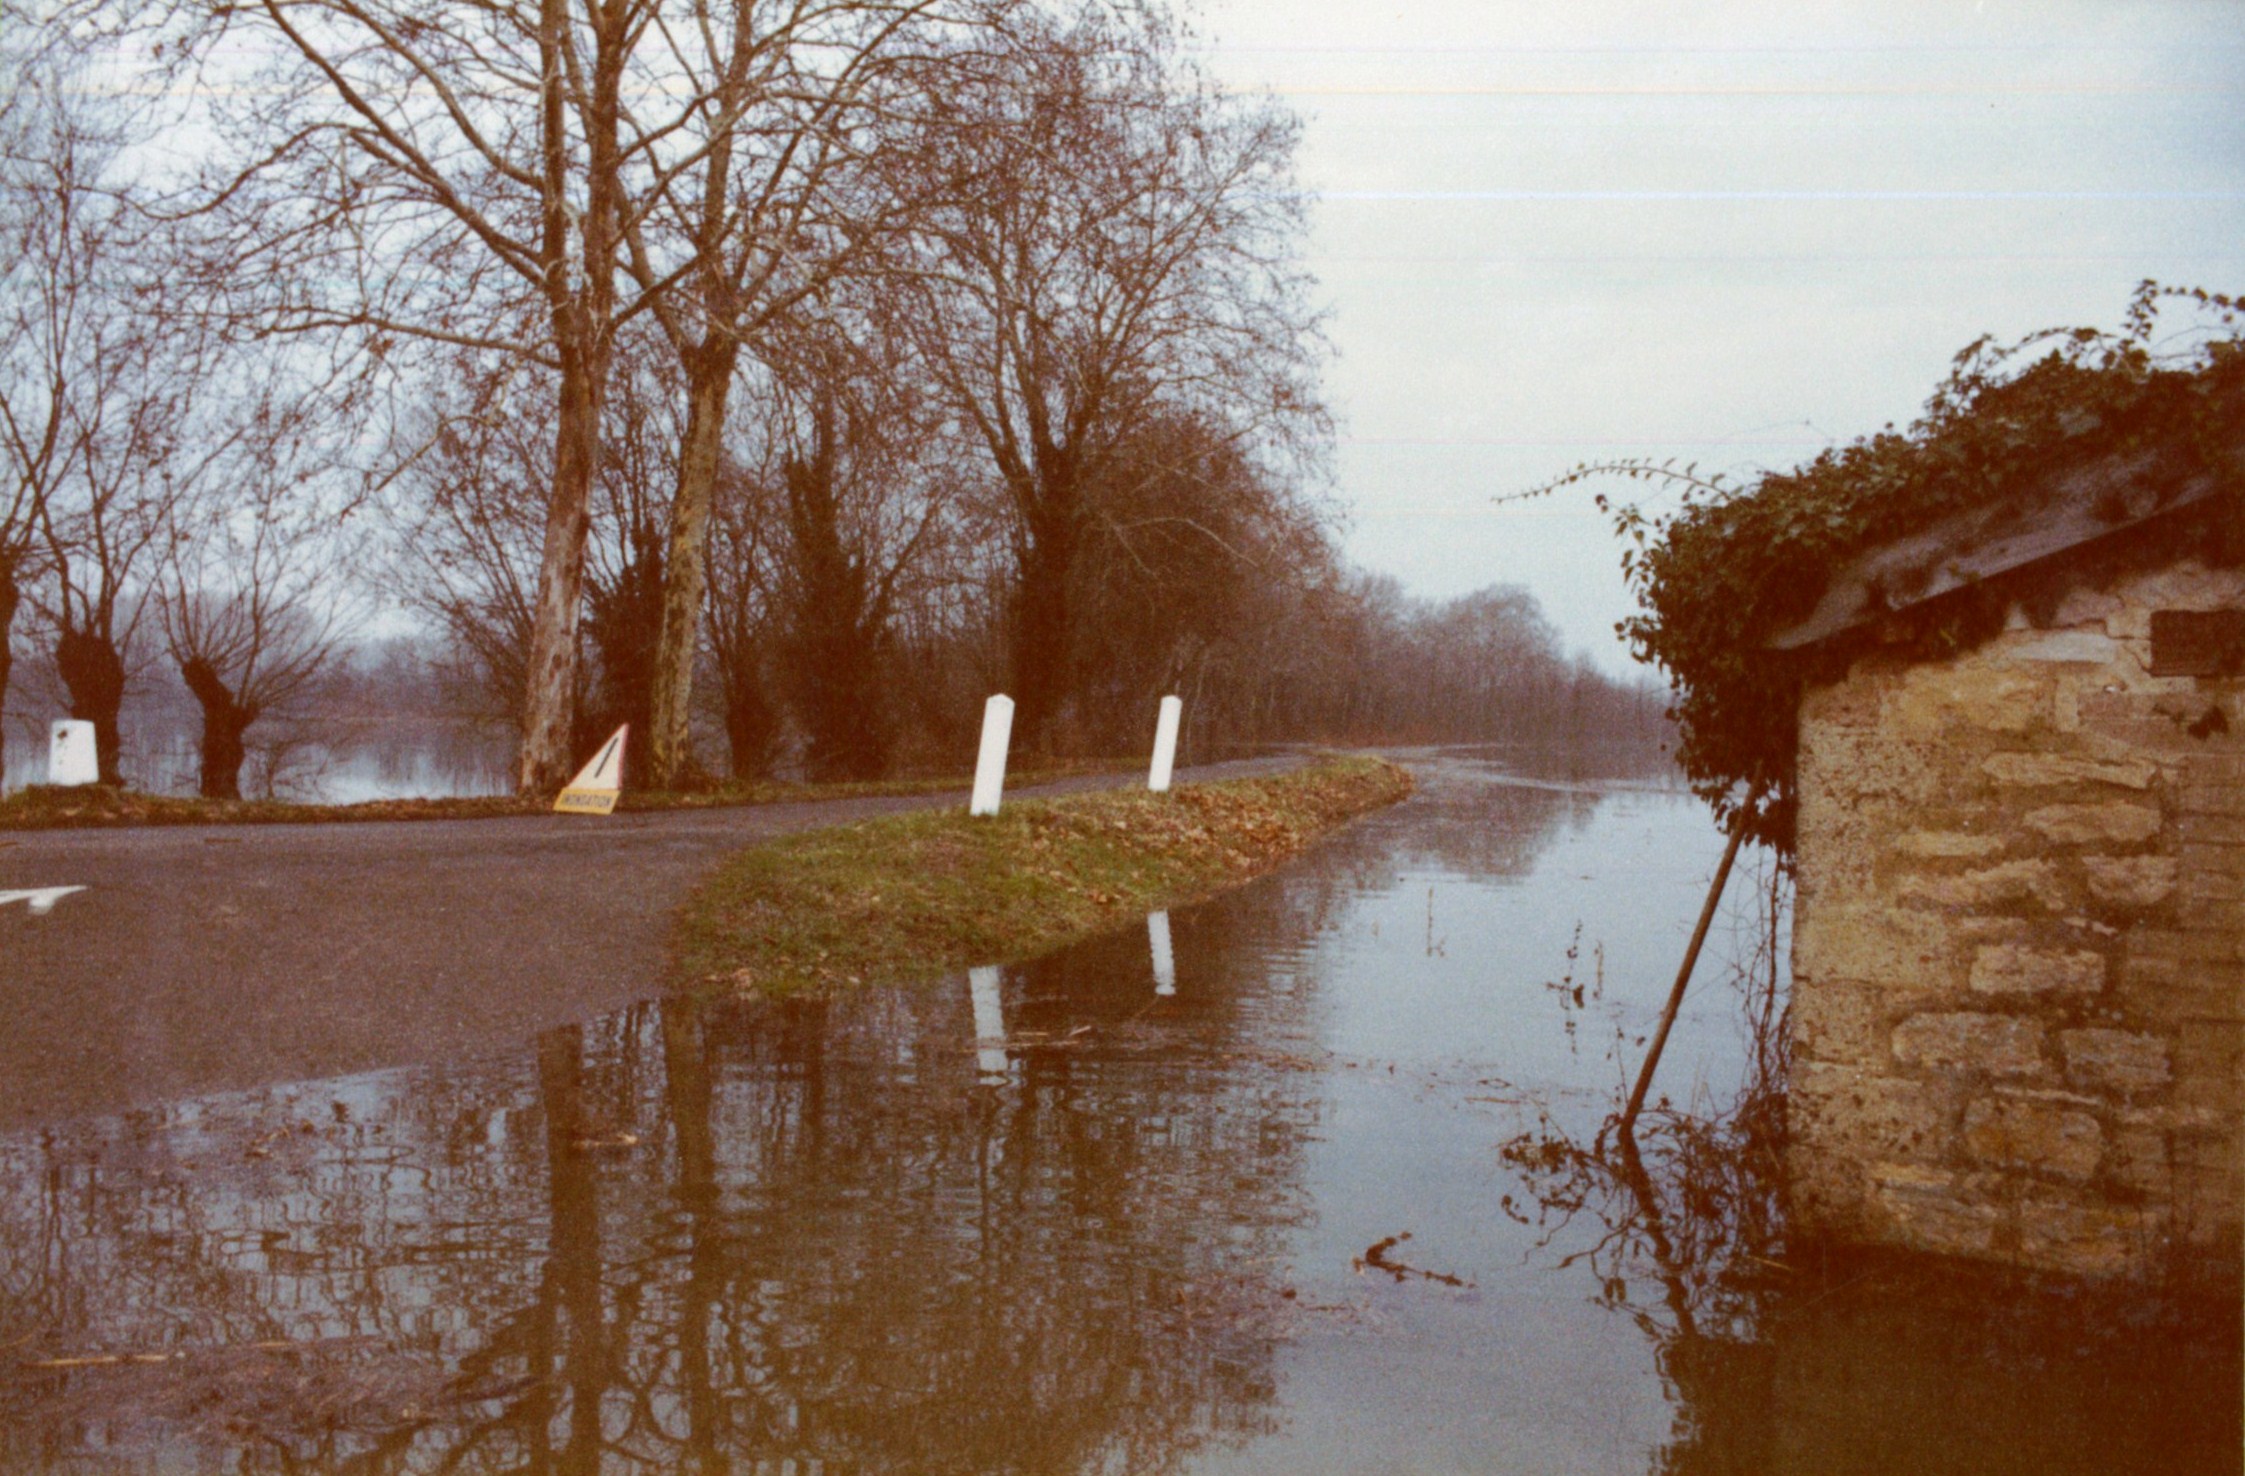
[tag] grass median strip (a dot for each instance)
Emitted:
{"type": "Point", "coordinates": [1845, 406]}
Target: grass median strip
{"type": "Point", "coordinates": [913, 896]}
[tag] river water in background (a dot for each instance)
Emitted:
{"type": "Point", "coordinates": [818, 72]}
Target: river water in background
{"type": "Point", "coordinates": [1138, 1207]}
{"type": "Point", "coordinates": [347, 763]}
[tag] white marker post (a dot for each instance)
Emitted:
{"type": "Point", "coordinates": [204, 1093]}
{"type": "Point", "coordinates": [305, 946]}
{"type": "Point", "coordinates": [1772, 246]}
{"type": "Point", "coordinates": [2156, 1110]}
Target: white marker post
{"type": "Point", "coordinates": [71, 756]}
{"type": "Point", "coordinates": [1165, 961]}
{"type": "Point", "coordinates": [1165, 744]}
{"type": "Point", "coordinates": [597, 785]}
{"type": "Point", "coordinates": [990, 764]}
{"type": "Point", "coordinates": [989, 1021]}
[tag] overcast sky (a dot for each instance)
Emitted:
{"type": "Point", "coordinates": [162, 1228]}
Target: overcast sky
{"type": "Point", "coordinates": [1732, 233]}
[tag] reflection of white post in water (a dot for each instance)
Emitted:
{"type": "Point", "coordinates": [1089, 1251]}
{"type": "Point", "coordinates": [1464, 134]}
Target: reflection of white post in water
{"type": "Point", "coordinates": [1165, 744]}
{"type": "Point", "coordinates": [1165, 962]}
{"type": "Point", "coordinates": [989, 1021]}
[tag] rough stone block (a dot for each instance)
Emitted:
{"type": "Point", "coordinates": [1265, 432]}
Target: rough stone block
{"type": "Point", "coordinates": [2131, 881]}
{"type": "Point", "coordinates": [1966, 1041]}
{"type": "Point", "coordinates": [2148, 724]}
{"type": "Point", "coordinates": [2212, 890]}
{"type": "Point", "coordinates": [2083, 1238]}
{"type": "Point", "coordinates": [2006, 969]}
{"type": "Point", "coordinates": [2215, 830]}
{"type": "Point", "coordinates": [1842, 1021]}
{"type": "Point", "coordinates": [1852, 765]}
{"type": "Point", "coordinates": [1853, 1114]}
{"type": "Point", "coordinates": [2219, 796]}
{"type": "Point", "coordinates": [1928, 1211]}
{"type": "Point", "coordinates": [2059, 768]}
{"type": "Point", "coordinates": [2138, 1158]}
{"type": "Point", "coordinates": [1932, 699]}
{"type": "Point", "coordinates": [2117, 824]}
{"type": "Point", "coordinates": [2092, 648]}
{"type": "Point", "coordinates": [2043, 1137]}
{"type": "Point", "coordinates": [1943, 845]}
{"type": "Point", "coordinates": [2115, 1060]}
{"type": "Point", "coordinates": [1851, 702]}
{"type": "Point", "coordinates": [1874, 945]}
{"type": "Point", "coordinates": [2006, 885]}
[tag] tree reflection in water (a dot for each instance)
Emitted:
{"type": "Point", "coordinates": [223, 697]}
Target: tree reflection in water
{"type": "Point", "coordinates": [693, 1236]}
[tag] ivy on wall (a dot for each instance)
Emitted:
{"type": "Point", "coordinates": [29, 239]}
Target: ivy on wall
{"type": "Point", "coordinates": [1740, 561]}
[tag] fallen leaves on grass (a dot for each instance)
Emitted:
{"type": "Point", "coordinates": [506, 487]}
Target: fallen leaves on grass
{"type": "Point", "coordinates": [913, 896]}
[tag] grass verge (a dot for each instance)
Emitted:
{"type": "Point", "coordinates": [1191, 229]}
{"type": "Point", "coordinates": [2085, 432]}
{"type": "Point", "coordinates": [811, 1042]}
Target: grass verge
{"type": "Point", "coordinates": [46, 807]}
{"type": "Point", "coordinates": [910, 896]}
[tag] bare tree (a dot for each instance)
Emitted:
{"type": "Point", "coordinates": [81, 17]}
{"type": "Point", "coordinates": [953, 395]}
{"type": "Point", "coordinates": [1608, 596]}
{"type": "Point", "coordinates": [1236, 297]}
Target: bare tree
{"type": "Point", "coordinates": [863, 488]}
{"type": "Point", "coordinates": [59, 358]}
{"type": "Point", "coordinates": [253, 597]}
{"type": "Point", "coordinates": [741, 619]}
{"type": "Point", "coordinates": [102, 377]}
{"type": "Point", "coordinates": [416, 170]}
{"type": "Point", "coordinates": [1117, 241]}
{"type": "Point", "coordinates": [792, 188]}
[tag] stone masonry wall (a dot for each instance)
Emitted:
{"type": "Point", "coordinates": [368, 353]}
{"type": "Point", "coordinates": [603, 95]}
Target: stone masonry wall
{"type": "Point", "coordinates": [2019, 951]}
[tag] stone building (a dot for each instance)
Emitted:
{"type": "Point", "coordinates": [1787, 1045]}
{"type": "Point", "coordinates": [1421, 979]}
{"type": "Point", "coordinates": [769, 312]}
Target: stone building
{"type": "Point", "coordinates": [2019, 950]}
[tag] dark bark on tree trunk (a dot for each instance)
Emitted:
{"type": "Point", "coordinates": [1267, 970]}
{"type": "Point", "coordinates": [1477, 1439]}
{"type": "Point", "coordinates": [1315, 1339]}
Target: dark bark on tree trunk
{"type": "Point", "coordinates": [95, 676]}
{"type": "Point", "coordinates": [225, 720]}
{"type": "Point", "coordinates": [670, 741]}
{"type": "Point", "coordinates": [1042, 665]}
{"type": "Point", "coordinates": [837, 626]}
{"type": "Point", "coordinates": [9, 598]}
{"type": "Point", "coordinates": [752, 724]}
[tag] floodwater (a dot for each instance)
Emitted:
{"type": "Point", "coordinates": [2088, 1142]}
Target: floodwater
{"type": "Point", "coordinates": [1288, 1182]}
{"type": "Point", "coordinates": [348, 764]}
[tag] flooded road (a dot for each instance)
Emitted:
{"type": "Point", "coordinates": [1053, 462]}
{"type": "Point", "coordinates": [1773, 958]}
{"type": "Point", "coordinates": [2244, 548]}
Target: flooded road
{"type": "Point", "coordinates": [1282, 1183]}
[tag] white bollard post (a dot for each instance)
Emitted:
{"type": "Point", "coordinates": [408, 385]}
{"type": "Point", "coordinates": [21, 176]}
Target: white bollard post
{"type": "Point", "coordinates": [71, 758]}
{"type": "Point", "coordinates": [1165, 744]}
{"type": "Point", "coordinates": [990, 764]}
{"type": "Point", "coordinates": [983, 982]}
{"type": "Point", "coordinates": [1165, 961]}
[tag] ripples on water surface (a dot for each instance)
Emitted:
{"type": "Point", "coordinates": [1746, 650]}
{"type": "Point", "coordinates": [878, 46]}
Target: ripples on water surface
{"type": "Point", "coordinates": [1130, 1236]}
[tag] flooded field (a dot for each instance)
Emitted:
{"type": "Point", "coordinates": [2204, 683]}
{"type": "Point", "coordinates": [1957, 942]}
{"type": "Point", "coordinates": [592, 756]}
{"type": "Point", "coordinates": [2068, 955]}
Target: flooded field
{"type": "Point", "coordinates": [1288, 1182]}
{"type": "Point", "coordinates": [347, 764]}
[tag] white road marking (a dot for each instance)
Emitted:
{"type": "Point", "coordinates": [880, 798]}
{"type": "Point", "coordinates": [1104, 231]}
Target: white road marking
{"type": "Point", "coordinates": [41, 899]}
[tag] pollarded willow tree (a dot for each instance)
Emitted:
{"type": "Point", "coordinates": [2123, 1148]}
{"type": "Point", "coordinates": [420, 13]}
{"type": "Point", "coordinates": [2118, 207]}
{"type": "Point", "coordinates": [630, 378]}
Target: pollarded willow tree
{"type": "Point", "coordinates": [247, 597]}
{"type": "Point", "coordinates": [1115, 242]}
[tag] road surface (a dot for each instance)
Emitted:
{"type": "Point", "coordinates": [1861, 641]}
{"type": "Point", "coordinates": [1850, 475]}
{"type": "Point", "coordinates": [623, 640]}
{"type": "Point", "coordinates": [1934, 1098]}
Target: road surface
{"type": "Point", "coordinates": [201, 959]}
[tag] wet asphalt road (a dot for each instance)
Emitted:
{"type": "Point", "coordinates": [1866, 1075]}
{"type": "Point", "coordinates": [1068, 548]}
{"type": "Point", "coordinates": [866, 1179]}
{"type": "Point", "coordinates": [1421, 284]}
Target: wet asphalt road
{"type": "Point", "coordinates": [209, 958]}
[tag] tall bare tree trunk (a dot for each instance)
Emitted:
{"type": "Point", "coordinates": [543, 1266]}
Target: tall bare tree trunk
{"type": "Point", "coordinates": [710, 381]}
{"type": "Point", "coordinates": [550, 680]}
{"type": "Point", "coordinates": [583, 318]}
{"type": "Point", "coordinates": [8, 599]}
{"type": "Point", "coordinates": [1043, 677]}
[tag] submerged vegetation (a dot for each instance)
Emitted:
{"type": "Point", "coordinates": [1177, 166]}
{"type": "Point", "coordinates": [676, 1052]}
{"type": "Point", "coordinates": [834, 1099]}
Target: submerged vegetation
{"type": "Point", "coordinates": [910, 896]}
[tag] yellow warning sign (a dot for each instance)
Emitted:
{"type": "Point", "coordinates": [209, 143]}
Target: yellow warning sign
{"type": "Point", "coordinates": [594, 790]}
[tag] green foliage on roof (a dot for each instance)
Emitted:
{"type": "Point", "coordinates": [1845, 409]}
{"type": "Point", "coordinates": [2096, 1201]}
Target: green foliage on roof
{"type": "Point", "coordinates": [1741, 560]}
